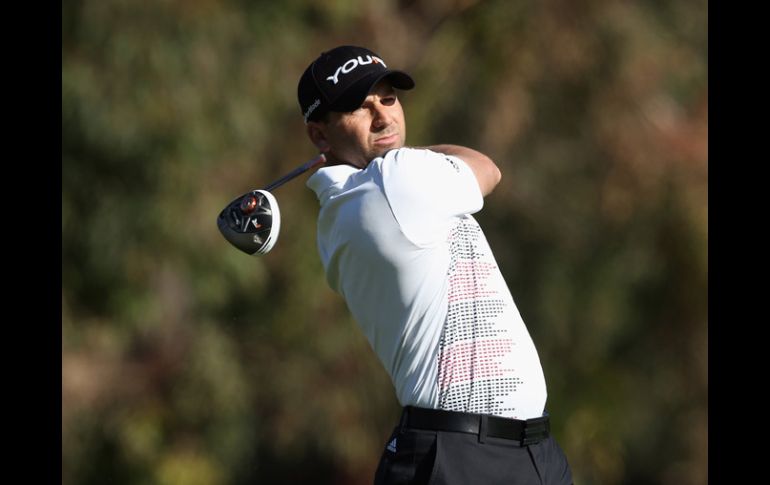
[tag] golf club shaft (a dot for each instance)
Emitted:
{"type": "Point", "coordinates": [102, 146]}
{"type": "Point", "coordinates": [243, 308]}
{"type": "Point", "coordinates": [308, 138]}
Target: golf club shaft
{"type": "Point", "coordinates": [320, 159]}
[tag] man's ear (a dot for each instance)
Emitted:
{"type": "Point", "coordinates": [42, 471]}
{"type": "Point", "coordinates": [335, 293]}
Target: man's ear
{"type": "Point", "coordinates": [317, 134]}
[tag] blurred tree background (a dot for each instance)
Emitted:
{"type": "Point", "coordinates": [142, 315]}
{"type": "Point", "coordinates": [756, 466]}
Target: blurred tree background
{"type": "Point", "coordinates": [185, 361]}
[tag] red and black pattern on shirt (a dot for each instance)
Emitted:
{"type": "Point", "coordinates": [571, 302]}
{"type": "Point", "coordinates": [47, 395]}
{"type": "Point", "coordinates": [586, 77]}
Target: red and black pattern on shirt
{"type": "Point", "coordinates": [474, 344]}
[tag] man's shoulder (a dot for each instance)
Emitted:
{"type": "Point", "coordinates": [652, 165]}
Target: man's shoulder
{"type": "Point", "coordinates": [408, 152]}
{"type": "Point", "coordinates": [405, 156]}
{"type": "Point", "coordinates": [418, 162]}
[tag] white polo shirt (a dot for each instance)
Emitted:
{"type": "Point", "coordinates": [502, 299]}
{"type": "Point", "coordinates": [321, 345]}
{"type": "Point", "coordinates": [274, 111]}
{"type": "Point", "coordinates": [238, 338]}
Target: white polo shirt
{"type": "Point", "coordinates": [397, 241]}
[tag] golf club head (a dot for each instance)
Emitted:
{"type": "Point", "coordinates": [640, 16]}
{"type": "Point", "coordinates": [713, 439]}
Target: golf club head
{"type": "Point", "coordinates": [251, 222]}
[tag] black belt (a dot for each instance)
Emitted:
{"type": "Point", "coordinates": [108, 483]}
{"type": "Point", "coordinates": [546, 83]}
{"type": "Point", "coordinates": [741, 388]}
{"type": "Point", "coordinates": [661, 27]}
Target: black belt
{"type": "Point", "coordinates": [528, 432]}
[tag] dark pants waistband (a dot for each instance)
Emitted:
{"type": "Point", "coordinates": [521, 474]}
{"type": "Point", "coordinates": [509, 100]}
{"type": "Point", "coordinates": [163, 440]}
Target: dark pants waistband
{"type": "Point", "coordinates": [527, 432]}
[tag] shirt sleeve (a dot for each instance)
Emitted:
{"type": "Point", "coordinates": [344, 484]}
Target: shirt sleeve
{"type": "Point", "coordinates": [428, 191]}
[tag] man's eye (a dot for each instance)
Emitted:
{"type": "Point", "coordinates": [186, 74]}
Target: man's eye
{"type": "Point", "coordinates": [388, 100]}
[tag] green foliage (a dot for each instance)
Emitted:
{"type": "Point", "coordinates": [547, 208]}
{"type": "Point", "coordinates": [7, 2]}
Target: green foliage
{"type": "Point", "coordinates": [186, 361]}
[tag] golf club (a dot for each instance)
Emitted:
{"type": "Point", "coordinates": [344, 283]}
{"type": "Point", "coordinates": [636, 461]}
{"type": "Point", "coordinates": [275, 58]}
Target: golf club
{"type": "Point", "coordinates": [252, 221]}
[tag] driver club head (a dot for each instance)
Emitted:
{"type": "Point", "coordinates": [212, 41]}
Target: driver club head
{"type": "Point", "coordinates": [251, 222]}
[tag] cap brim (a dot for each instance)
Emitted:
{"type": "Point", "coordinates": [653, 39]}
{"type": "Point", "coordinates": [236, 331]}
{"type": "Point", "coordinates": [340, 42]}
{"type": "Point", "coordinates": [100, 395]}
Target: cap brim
{"type": "Point", "coordinates": [356, 94]}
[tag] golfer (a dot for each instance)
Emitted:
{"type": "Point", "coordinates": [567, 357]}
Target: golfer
{"type": "Point", "coordinates": [398, 241]}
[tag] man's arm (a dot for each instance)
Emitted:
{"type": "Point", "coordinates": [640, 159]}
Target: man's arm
{"type": "Point", "coordinates": [486, 172]}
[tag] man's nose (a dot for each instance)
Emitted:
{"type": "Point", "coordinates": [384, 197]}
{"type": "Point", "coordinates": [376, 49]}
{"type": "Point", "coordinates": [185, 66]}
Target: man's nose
{"type": "Point", "coordinates": [382, 116]}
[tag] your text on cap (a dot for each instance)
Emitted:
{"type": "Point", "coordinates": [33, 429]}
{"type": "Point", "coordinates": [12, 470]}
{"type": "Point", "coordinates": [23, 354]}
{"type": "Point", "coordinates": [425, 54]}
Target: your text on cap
{"type": "Point", "coordinates": [351, 64]}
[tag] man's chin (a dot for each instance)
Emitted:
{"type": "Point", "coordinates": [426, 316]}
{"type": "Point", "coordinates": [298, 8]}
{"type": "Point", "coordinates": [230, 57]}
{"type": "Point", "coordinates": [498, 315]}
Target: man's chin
{"type": "Point", "coordinates": [380, 151]}
{"type": "Point", "coordinates": [379, 154]}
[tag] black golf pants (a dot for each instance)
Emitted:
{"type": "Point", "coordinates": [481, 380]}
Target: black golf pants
{"type": "Point", "coordinates": [413, 456]}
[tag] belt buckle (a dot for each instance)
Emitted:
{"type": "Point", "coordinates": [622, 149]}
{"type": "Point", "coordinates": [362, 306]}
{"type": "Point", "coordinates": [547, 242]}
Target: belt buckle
{"type": "Point", "coordinates": [534, 432]}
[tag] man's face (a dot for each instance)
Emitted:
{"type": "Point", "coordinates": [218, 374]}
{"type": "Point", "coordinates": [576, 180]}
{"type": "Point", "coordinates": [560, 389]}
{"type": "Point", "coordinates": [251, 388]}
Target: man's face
{"type": "Point", "coordinates": [368, 132]}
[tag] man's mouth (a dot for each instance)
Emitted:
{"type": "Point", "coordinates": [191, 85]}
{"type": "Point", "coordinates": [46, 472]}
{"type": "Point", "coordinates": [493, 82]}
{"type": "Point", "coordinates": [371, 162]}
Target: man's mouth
{"type": "Point", "coordinates": [387, 139]}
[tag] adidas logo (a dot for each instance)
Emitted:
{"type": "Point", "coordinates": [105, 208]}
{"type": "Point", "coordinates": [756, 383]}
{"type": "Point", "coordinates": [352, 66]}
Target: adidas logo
{"type": "Point", "coordinates": [392, 445]}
